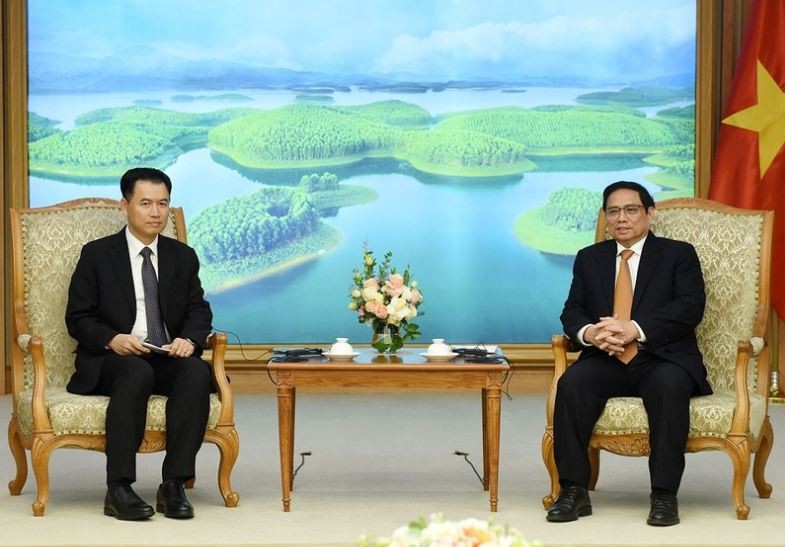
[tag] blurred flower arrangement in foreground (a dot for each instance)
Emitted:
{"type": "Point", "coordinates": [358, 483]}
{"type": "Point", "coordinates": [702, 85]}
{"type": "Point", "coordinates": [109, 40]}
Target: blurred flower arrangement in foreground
{"type": "Point", "coordinates": [386, 300]}
{"type": "Point", "coordinates": [437, 532]}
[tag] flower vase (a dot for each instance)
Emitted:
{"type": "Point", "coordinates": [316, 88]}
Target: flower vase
{"type": "Point", "coordinates": [382, 339]}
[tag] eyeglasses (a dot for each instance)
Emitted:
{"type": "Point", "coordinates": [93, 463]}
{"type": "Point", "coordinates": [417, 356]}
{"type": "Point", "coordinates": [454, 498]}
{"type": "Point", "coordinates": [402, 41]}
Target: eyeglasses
{"type": "Point", "coordinates": [629, 211]}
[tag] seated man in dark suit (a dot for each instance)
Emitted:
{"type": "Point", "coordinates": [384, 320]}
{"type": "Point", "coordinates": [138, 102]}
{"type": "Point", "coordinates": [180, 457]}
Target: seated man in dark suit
{"type": "Point", "coordinates": [634, 304]}
{"type": "Point", "coordinates": [130, 287]}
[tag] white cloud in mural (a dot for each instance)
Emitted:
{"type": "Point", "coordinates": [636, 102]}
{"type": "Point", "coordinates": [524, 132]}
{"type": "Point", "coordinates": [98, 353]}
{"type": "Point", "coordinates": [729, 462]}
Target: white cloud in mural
{"type": "Point", "coordinates": [262, 50]}
{"type": "Point", "coordinates": [255, 49]}
{"type": "Point", "coordinates": [598, 46]}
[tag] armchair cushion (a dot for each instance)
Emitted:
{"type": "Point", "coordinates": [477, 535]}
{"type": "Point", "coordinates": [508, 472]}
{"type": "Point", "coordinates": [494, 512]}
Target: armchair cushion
{"type": "Point", "coordinates": [86, 414]}
{"type": "Point", "coordinates": [710, 415]}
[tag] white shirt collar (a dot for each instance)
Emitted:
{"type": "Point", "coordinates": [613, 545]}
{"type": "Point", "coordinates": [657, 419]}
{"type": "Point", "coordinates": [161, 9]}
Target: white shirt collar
{"type": "Point", "coordinates": [637, 247]}
{"type": "Point", "coordinates": [135, 246]}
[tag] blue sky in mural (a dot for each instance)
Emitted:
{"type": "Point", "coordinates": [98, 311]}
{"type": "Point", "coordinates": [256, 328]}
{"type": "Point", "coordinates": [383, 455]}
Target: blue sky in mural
{"type": "Point", "coordinates": [603, 41]}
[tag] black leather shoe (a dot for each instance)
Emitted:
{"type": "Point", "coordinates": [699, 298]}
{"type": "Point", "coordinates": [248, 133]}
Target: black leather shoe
{"type": "Point", "coordinates": [122, 503]}
{"type": "Point", "coordinates": [664, 509]}
{"type": "Point", "coordinates": [171, 501]}
{"type": "Point", "coordinates": [573, 502]}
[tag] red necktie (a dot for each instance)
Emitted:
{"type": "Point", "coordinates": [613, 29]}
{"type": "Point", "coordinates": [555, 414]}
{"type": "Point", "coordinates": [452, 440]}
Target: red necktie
{"type": "Point", "coordinates": [622, 301]}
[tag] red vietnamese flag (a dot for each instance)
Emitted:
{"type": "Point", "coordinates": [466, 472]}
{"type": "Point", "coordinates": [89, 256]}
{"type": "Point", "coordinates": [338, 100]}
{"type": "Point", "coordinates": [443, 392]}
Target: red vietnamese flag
{"type": "Point", "coordinates": [749, 163]}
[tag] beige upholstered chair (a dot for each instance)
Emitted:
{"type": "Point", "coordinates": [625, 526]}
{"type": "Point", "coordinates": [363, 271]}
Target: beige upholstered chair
{"type": "Point", "coordinates": [734, 247]}
{"type": "Point", "coordinates": [46, 244]}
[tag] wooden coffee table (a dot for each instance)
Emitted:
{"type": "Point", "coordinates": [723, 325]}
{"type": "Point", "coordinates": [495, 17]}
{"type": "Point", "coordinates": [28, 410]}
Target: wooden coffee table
{"type": "Point", "coordinates": [404, 370]}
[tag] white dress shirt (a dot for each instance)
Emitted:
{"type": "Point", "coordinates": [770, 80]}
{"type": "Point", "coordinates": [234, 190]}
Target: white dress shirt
{"type": "Point", "coordinates": [634, 261]}
{"type": "Point", "coordinates": [134, 252]}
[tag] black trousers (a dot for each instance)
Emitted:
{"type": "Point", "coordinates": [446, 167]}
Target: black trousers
{"type": "Point", "coordinates": [581, 395]}
{"type": "Point", "coordinates": [129, 381]}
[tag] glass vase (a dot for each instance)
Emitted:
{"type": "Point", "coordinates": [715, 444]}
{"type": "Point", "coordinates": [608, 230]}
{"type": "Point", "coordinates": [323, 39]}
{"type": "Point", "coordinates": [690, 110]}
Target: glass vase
{"type": "Point", "coordinates": [382, 339]}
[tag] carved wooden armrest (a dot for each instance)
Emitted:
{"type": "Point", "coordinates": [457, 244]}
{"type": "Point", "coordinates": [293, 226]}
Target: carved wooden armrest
{"type": "Point", "coordinates": [217, 342]}
{"type": "Point", "coordinates": [560, 345]}
{"type": "Point", "coordinates": [741, 418]}
{"type": "Point", "coordinates": [23, 341]}
{"type": "Point", "coordinates": [35, 347]}
{"type": "Point", "coordinates": [758, 343]}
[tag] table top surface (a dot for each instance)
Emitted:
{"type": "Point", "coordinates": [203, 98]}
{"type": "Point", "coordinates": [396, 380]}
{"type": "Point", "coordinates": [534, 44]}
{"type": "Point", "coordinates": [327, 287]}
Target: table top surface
{"type": "Point", "coordinates": [403, 359]}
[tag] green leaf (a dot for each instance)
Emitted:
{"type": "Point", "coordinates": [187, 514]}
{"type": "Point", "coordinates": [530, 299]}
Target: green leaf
{"type": "Point", "coordinates": [380, 346]}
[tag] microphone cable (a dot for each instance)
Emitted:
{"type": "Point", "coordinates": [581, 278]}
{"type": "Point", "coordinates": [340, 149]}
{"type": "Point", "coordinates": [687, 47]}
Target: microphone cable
{"type": "Point", "coordinates": [466, 457]}
{"type": "Point", "coordinates": [245, 357]}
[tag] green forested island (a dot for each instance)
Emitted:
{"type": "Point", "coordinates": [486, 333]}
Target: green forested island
{"type": "Point", "coordinates": [39, 127]}
{"type": "Point", "coordinates": [244, 238]}
{"type": "Point", "coordinates": [564, 224]}
{"type": "Point", "coordinates": [482, 143]}
{"type": "Point", "coordinates": [639, 96]}
{"type": "Point", "coordinates": [107, 141]}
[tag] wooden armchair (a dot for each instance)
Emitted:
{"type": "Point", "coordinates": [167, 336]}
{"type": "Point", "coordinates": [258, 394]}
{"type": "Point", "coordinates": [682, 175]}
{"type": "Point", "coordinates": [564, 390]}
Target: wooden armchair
{"type": "Point", "coordinates": [734, 247]}
{"type": "Point", "coordinates": [46, 244]}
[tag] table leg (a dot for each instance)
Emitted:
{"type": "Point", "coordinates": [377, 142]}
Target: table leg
{"type": "Point", "coordinates": [286, 440]}
{"type": "Point", "coordinates": [485, 460]}
{"type": "Point", "coordinates": [493, 411]}
{"type": "Point", "coordinates": [291, 437]}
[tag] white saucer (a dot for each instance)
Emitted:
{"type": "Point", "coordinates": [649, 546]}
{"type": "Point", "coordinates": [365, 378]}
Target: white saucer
{"type": "Point", "coordinates": [440, 357]}
{"type": "Point", "coordinates": [340, 356]}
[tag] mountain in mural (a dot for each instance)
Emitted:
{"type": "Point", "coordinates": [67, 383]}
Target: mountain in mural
{"type": "Point", "coordinates": [144, 68]}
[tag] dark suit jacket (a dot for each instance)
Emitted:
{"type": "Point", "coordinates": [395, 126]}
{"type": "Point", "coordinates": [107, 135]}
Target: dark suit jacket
{"type": "Point", "coordinates": [101, 301]}
{"type": "Point", "coordinates": [668, 301]}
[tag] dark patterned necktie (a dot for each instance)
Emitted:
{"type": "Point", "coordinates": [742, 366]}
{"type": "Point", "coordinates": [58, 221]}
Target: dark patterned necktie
{"type": "Point", "coordinates": [155, 326]}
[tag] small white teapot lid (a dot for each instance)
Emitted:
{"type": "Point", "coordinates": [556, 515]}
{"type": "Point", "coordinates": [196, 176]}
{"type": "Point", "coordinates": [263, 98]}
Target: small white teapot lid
{"type": "Point", "coordinates": [341, 347]}
{"type": "Point", "coordinates": [439, 347]}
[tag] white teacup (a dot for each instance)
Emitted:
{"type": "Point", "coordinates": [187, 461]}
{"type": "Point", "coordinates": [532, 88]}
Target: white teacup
{"type": "Point", "coordinates": [341, 347]}
{"type": "Point", "coordinates": [439, 347]}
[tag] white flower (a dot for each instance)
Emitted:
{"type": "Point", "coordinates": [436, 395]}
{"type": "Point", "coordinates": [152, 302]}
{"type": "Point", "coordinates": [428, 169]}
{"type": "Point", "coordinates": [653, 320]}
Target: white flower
{"type": "Point", "coordinates": [372, 295]}
{"type": "Point", "coordinates": [356, 293]}
{"type": "Point", "coordinates": [436, 532]}
{"type": "Point", "coordinates": [397, 310]}
{"type": "Point", "coordinates": [407, 293]}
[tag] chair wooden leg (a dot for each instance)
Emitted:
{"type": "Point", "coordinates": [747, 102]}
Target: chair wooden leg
{"type": "Point", "coordinates": [762, 456]}
{"type": "Point", "coordinates": [228, 444]}
{"type": "Point", "coordinates": [39, 456]}
{"type": "Point", "coordinates": [594, 461]}
{"type": "Point", "coordinates": [550, 465]}
{"type": "Point", "coordinates": [740, 458]}
{"type": "Point", "coordinates": [15, 443]}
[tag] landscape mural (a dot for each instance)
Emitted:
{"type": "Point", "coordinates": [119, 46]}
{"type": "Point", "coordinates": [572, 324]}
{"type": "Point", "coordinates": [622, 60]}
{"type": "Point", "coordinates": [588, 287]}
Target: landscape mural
{"type": "Point", "coordinates": [470, 139]}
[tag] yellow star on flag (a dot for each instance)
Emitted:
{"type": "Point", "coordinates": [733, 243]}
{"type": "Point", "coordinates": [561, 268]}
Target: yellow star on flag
{"type": "Point", "coordinates": [767, 118]}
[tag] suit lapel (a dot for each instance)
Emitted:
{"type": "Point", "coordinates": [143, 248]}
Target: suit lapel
{"type": "Point", "coordinates": [652, 250]}
{"type": "Point", "coordinates": [121, 263]}
{"type": "Point", "coordinates": [167, 267]}
{"type": "Point", "coordinates": [606, 266]}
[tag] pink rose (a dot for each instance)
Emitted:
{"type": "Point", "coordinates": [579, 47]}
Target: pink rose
{"type": "Point", "coordinates": [394, 285]}
{"type": "Point", "coordinates": [415, 297]}
{"type": "Point", "coordinates": [379, 310]}
{"type": "Point", "coordinates": [371, 284]}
